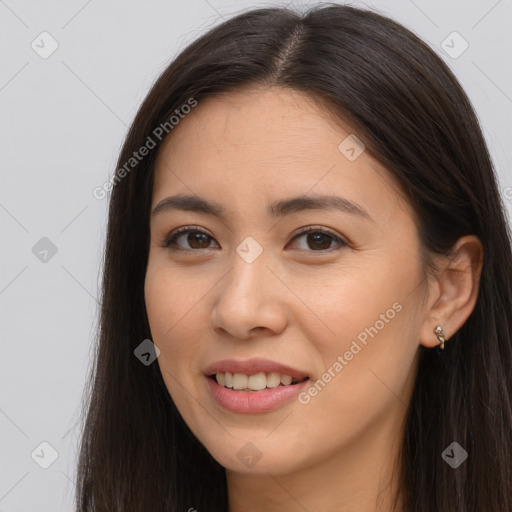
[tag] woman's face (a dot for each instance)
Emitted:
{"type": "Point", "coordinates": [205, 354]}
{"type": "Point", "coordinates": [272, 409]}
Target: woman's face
{"type": "Point", "coordinates": [245, 293]}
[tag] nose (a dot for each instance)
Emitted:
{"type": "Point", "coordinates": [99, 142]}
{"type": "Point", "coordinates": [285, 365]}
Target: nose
{"type": "Point", "coordinates": [249, 301]}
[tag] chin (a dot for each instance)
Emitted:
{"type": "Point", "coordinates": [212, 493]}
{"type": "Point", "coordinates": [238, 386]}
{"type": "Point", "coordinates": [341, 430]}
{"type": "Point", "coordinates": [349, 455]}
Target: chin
{"type": "Point", "coordinates": [258, 456]}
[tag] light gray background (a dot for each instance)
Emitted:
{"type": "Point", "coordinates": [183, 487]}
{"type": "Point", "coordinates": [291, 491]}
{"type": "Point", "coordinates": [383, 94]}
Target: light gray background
{"type": "Point", "coordinates": [63, 120]}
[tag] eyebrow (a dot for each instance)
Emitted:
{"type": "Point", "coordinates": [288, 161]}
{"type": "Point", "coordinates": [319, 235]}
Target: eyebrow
{"type": "Point", "coordinates": [277, 209]}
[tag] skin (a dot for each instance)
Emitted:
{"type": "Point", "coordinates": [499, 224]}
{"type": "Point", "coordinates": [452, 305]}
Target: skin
{"type": "Point", "coordinates": [295, 304]}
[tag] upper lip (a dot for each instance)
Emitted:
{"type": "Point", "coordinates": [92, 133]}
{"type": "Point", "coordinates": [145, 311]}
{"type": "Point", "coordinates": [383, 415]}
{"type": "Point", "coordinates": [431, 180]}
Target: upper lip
{"type": "Point", "coordinates": [253, 366]}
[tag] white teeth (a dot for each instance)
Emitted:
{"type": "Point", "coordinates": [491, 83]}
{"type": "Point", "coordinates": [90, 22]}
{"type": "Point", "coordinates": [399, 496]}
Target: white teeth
{"type": "Point", "coordinates": [273, 380]}
{"type": "Point", "coordinates": [240, 381]}
{"type": "Point", "coordinates": [256, 382]}
{"type": "Point", "coordinates": [286, 380]}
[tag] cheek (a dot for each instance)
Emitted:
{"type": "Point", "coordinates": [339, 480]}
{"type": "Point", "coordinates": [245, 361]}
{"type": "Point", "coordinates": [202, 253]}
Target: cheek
{"type": "Point", "coordinates": [368, 339]}
{"type": "Point", "coordinates": [365, 385]}
{"type": "Point", "coordinates": [176, 304]}
{"type": "Point", "coordinates": [170, 309]}
{"type": "Point", "coordinates": [172, 301]}
{"type": "Point", "coordinates": [361, 304]}
{"type": "Point", "coordinates": [166, 309]}
{"type": "Point", "coordinates": [162, 295]}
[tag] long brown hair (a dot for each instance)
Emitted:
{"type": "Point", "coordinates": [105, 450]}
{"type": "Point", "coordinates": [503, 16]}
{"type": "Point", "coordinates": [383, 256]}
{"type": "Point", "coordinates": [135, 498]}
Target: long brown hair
{"type": "Point", "coordinates": [136, 451]}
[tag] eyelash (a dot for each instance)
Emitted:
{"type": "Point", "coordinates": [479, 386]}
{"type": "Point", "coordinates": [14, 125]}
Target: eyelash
{"type": "Point", "coordinates": [169, 241]}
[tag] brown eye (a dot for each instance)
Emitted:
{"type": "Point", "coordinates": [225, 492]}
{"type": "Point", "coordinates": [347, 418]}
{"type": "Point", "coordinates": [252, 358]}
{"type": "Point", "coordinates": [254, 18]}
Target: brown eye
{"type": "Point", "coordinates": [196, 239]}
{"type": "Point", "coordinates": [318, 240]}
{"type": "Point", "coordinates": [201, 239]}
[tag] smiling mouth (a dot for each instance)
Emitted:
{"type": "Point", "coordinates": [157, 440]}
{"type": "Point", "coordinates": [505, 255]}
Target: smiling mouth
{"type": "Point", "coordinates": [254, 383]}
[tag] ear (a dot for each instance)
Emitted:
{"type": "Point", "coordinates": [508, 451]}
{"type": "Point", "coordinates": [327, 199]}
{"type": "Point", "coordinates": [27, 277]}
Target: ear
{"type": "Point", "coordinates": [453, 292]}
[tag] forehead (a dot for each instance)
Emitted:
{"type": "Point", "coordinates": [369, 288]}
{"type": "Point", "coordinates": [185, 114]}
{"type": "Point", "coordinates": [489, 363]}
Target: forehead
{"type": "Point", "coordinates": [288, 122]}
{"type": "Point", "coordinates": [265, 144]}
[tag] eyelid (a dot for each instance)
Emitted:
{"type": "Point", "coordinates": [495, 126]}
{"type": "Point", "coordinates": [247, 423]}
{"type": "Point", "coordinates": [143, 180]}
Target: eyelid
{"type": "Point", "coordinates": [171, 237]}
{"type": "Point", "coordinates": [321, 229]}
{"type": "Point", "coordinates": [341, 240]}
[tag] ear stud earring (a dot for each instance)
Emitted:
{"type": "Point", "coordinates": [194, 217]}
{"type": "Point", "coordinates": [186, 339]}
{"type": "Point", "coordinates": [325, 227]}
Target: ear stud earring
{"type": "Point", "coordinates": [438, 331]}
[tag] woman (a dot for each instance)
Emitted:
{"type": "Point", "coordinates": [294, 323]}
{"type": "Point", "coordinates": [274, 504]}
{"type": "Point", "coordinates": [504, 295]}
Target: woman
{"type": "Point", "coordinates": [307, 284]}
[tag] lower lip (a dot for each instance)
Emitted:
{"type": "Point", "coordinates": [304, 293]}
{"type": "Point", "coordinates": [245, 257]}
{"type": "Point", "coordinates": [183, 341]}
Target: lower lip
{"type": "Point", "coordinates": [255, 402]}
